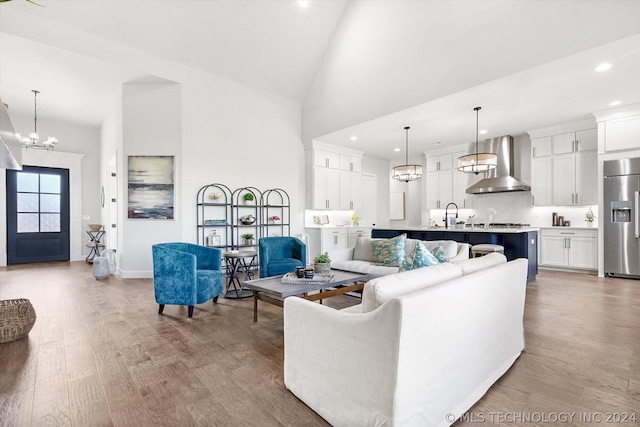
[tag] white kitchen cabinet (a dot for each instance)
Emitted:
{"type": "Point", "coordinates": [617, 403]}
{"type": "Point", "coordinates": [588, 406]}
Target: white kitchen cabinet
{"type": "Point", "coordinates": [563, 169]}
{"type": "Point", "coordinates": [325, 239]}
{"type": "Point", "coordinates": [439, 178]}
{"type": "Point", "coordinates": [334, 178]}
{"type": "Point", "coordinates": [326, 188]}
{"type": "Point", "coordinates": [439, 189]}
{"type": "Point", "coordinates": [354, 233]}
{"type": "Point", "coordinates": [441, 162]}
{"type": "Point", "coordinates": [575, 178]}
{"type": "Point", "coordinates": [350, 163]}
{"type": "Point", "coordinates": [573, 142]}
{"type": "Point", "coordinates": [541, 147]}
{"type": "Point", "coordinates": [541, 181]}
{"type": "Point", "coordinates": [350, 190]}
{"type": "Point", "coordinates": [326, 159]}
{"type": "Point", "coordinates": [569, 248]}
{"type": "Point", "coordinates": [334, 239]}
{"type": "Point", "coordinates": [622, 133]}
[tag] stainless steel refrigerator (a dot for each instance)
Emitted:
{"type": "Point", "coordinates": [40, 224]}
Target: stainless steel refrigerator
{"type": "Point", "coordinates": [621, 218]}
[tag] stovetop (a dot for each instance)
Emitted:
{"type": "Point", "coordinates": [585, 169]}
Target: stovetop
{"type": "Point", "coordinates": [503, 225]}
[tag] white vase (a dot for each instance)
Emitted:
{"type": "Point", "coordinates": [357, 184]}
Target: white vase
{"type": "Point", "coordinates": [589, 223]}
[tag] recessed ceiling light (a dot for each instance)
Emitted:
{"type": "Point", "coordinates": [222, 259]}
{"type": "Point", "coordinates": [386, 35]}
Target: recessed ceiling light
{"type": "Point", "coordinates": [603, 67]}
{"type": "Point", "coordinates": [436, 143]}
{"type": "Point", "coordinates": [396, 149]}
{"type": "Point", "coordinates": [483, 131]}
{"type": "Point", "coordinates": [614, 103]}
{"type": "Point", "coordinates": [354, 138]}
{"type": "Point", "coordinates": [303, 3]}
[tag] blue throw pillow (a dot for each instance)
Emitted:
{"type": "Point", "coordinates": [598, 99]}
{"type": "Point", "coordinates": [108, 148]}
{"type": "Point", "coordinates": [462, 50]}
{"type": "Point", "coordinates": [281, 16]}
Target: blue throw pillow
{"type": "Point", "coordinates": [389, 252]}
{"type": "Point", "coordinates": [440, 254]}
{"type": "Point", "coordinates": [420, 257]}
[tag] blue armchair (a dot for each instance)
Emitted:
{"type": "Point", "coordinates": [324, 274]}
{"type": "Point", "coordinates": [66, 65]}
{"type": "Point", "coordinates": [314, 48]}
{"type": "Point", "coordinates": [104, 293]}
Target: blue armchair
{"type": "Point", "coordinates": [280, 255]}
{"type": "Point", "coordinates": [186, 274]}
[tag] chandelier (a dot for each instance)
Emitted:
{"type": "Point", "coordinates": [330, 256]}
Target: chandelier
{"type": "Point", "coordinates": [407, 172]}
{"type": "Point", "coordinates": [477, 162]}
{"type": "Point", "coordinates": [33, 140]}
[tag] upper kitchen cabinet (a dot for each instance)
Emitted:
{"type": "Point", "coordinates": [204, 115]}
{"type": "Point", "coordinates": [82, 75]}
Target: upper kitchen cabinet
{"type": "Point", "coordinates": [564, 165]}
{"type": "Point", "coordinates": [326, 159]}
{"type": "Point", "coordinates": [437, 163]}
{"type": "Point", "coordinates": [439, 178]}
{"type": "Point", "coordinates": [541, 147]}
{"type": "Point", "coordinates": [619, 129]}
{"type": "Point", "coordinates": [333, 177]}
{"type": "Point", "coordinates": [350, 163]}
{"type": "Point", "coordinates": [573, 142]}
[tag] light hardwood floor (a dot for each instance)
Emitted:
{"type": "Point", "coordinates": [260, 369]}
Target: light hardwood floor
{"type": "Point", "coordinates": [99, 354]}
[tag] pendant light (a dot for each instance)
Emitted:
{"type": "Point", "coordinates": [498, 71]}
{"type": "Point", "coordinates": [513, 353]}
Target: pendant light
{"type": "Point", "coordinates": [407, 172]}
{"type": "Point", "coordinates": [477, 162]}
{"type": "Point", "coordinates": [33, 140]}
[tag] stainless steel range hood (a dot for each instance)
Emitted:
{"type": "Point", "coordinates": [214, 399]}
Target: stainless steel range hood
{"type": "Point", "coordinates": [500, 179]}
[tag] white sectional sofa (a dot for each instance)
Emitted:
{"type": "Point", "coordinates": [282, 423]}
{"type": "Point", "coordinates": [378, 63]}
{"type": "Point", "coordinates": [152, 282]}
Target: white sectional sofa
{"type": "Point", "coordinates": [359, 258]}
{"type": "Point", "coordinates": [420, 350]}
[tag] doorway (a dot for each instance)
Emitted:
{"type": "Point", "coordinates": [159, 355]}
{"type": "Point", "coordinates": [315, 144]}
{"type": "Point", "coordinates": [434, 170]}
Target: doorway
{"type": "Point", "coordinates": [37, 215]}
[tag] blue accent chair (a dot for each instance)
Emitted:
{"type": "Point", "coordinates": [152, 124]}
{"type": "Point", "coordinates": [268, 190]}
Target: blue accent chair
{"type": "Point", "coordinates": [280, 255]}
{"type": "Point", "coordinates": [186, 274]}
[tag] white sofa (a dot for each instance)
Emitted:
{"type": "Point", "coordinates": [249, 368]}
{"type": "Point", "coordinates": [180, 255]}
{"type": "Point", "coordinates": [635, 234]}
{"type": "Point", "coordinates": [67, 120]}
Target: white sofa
{"type": "Point", "coordinates": [359, 258]}
{"type": "Point", "coordinates": [420, 358]}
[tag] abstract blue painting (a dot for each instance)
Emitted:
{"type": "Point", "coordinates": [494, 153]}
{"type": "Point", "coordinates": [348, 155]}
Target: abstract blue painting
{"type": "Point", "coordinates": [150, 187]}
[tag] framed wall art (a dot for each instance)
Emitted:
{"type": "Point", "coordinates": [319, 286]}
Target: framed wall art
{"type": "Point", "coordinates": [150, 187]}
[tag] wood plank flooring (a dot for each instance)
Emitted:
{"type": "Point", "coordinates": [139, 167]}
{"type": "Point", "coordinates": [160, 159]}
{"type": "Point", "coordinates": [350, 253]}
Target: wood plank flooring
{"type": "Point", "coordinates": [100, 355]}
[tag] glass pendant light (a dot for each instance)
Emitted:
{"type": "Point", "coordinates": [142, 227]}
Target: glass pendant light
{"type": "Point", "coordinates": [407, 172]}
{"type": "Point", "coordinates": [477, 162]}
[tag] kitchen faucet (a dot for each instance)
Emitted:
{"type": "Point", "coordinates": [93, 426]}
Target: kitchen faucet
{"type": "Point", "coordinates": [446, 214]}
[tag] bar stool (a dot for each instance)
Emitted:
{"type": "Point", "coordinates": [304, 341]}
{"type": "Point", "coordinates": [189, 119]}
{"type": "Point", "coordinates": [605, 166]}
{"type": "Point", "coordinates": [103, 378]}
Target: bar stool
{"type": "Point", "coordinates": [486, 248]}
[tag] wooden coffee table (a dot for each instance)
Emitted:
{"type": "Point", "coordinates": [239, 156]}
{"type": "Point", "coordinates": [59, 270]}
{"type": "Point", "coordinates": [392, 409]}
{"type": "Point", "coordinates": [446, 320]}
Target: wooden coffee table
{"type": "Point", "coordinates": [273, 291]}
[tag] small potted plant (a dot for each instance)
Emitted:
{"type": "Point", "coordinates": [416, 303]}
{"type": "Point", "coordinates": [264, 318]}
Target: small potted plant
{"type": "Point", "coordinates": [322, 264]}
{"type": "Point", "coordinates": [248, 238]}
{"type": "Point", "coordinates": [248, 198]}
{"type": "Point", "coordinates": [460, 224]}
{"type": "Point", "coordinates": [356, 219]}
{"type": "Point", "coordinates": [274, 219]}
{"type": "Point", "coordinates": [589, 217]}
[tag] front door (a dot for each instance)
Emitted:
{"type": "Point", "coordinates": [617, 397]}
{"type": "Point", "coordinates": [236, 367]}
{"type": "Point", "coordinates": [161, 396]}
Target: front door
{"type": "Point", "coordinates": [37, 215]}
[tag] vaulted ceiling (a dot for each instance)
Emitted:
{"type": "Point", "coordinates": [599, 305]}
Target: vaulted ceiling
{"type": "Point", "coordinates": [363, 68]}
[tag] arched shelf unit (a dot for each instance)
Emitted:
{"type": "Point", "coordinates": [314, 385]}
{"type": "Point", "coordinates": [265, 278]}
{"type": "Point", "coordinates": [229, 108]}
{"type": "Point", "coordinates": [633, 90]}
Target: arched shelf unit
{"type": "Point", "coordinates": [276, 213]}
{"type": "Point", "coordinates": [246, 219]}
{"type": "Point", "coordinates": [213, 216]}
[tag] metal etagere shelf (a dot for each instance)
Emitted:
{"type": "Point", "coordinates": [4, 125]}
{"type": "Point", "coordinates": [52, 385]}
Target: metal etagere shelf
{"type": "Point", "coordinates": [225, 215]}
{"type": "Point", "coordinates": [214, 216]}
{"type": "Point", "coordinates": [276, 211]}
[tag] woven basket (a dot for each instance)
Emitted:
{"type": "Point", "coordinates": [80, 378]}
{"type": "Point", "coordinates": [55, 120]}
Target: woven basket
{"type": "Point", "coordinates": [17, 317]}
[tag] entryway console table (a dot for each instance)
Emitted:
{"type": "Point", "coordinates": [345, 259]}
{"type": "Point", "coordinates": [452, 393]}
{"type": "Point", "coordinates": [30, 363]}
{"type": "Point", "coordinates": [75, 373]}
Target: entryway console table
{"type": "Point", "coordinates": [95, 244]}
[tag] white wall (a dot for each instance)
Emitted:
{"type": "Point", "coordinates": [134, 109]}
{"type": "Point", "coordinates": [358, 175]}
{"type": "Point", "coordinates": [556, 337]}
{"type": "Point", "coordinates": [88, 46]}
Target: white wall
{"type": "Point", "coordinates": [152, 125]}
{"type": "Point", "coordinates": [220, 132]}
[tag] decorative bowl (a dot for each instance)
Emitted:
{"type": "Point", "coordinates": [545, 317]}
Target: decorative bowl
{"type": "Point", "coordinates": [248, 219]}
{"type": "Point", "coordinates": [94, 227]}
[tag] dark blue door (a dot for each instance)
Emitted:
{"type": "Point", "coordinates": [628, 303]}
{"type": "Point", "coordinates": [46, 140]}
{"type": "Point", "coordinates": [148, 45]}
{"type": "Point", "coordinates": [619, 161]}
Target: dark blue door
{"type": "Point", "coordinates": [37, 215]}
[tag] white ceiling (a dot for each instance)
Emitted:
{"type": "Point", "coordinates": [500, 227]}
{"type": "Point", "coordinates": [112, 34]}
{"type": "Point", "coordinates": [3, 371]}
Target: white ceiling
{"type": "Point", "coordinates": [78, 53]}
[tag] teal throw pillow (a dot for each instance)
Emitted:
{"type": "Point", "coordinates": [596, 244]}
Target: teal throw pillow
{"type": "Point", "coordinates": [389, 252]}
{"type": "Point", "coordinates": [440, 254]}
{"type": "Point", "coordinates": [418, 258]}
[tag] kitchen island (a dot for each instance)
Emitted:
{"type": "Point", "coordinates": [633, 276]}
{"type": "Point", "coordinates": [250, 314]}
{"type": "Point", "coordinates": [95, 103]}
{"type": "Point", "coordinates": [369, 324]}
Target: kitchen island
{"type": "Point", "coordinates": [518, 242]}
